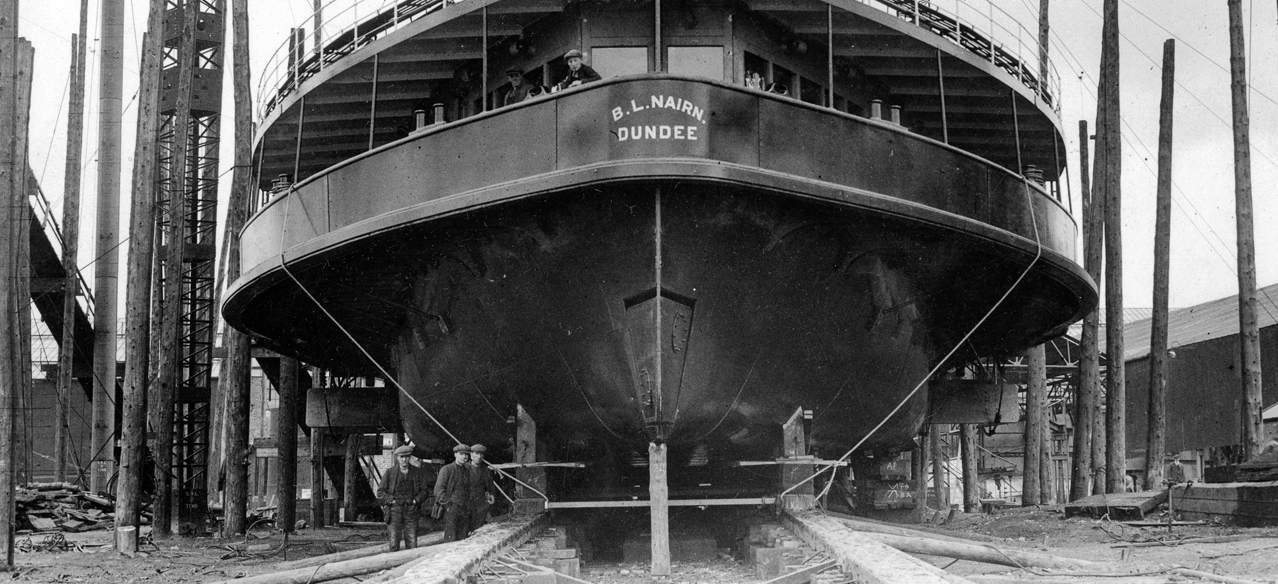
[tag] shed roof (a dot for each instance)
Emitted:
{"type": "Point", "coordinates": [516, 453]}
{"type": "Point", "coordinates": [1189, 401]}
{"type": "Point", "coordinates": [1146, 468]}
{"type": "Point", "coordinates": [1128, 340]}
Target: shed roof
{"type": "Point", "coordinates": [1195, 324]}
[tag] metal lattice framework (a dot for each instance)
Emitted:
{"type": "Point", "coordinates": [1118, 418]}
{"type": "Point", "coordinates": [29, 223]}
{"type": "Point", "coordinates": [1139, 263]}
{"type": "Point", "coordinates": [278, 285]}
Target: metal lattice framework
{"type": "Point", "coordinates": [191, 414]}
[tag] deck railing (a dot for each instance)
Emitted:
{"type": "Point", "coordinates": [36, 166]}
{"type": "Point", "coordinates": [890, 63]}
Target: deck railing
{"type": "Point", "coordinates": [346, 25]}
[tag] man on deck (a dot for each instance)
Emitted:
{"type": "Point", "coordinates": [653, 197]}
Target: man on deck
{"type": "Point", "coordinates": [452, 490]}
{"type": "Point", "coordinates": [519, 88]}
{"type": "Point", "coordinates": [578, 72]}
{"type": "Point", "coordinates": [402, 491]}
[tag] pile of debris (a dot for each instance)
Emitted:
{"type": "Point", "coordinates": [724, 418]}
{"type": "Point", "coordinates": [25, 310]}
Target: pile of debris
{"type": "Point", "coordinates": [46, 507]}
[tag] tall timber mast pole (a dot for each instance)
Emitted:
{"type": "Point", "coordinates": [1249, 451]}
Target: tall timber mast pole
{"type": "Point", "coordinates": [107, 267]}
{"type": "Point", "coordinates": [1156, 431]}
{"type": "Point", "coordinates": [237, 343]}
{"type": "Point", "coordinates": [70, 242]}
{"type": "Point", "coordinates": [1089, 361]}
{"type": "Point", "coordinates": [138, 289]}
{"type": "Point", "coordinates": [1253, 431]}
{"type": "Point", "coordinates": [1116, 397]}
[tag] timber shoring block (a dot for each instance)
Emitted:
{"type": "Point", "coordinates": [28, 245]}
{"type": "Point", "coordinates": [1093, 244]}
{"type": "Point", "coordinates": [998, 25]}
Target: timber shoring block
{"type": "Point", "coordinates": [463, 558]}
{"type": "Point", "coordinates": [864, 560]}
{"type": "Point", "coordinates": [496, 536]}
{"type": "Point", "coordinates": [1246, 504]}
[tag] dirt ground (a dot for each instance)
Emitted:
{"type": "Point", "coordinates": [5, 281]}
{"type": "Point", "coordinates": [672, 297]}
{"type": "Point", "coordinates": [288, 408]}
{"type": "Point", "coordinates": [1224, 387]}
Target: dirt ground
{"type": "Point", "coordinates": [1252, 554]}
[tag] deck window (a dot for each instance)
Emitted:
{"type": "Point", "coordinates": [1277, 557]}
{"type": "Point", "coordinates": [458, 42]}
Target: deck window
{"type": "Point", "coordinates": [696, 61]}
{"type": "Point", "coordinates": [614, 61]}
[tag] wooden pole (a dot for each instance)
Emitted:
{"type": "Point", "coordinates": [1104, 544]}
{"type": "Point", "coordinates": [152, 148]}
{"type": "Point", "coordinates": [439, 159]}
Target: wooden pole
{"type": "Point", "coordinates": [9, 199]}
{"type": "Point", "coordinates": [1155, 436]}
{"type": "Point", "coordinates": [1116, 396]}
{"type": "Point", "coordinates": [1035, 404]}
{"type": "Point", "coordinates": [237, 343]}
{"type": "Point", "coordinates": [70, 242]}
{"type": "Point", "coordinates": [16, 58]}
{"type": "Point", "coordinates": [351, 474]}
{"type": "Point", "coordinates": [175, 245]}
{"type": "Point", "coordinates": [137, 328]}
{"type": "Point", "coordinates": [286, 445]}
{"type": "Point", "coordinates": [23, 180]}
{"type": "Point", "coordinates": [1043, 43]}
{"type": "Point", "coordinates": [971, 481]}
{"type": "Point", "coordinates": [106, 267]}
{"type": "Point", "coordinates": [317, 476]}
{"type": "Point", "coordinates": [659, 495]}
{"type": "Point", "coordinates": [1089, 361]}
{"type": "Point", "coordinates": [1098, 197]}
{"type": "Point", "coordinates": [1253, 431]}
{"type": "Point", "coordinates": [918, 468]}
{"type": "Point", "coordinates": [940, 478]}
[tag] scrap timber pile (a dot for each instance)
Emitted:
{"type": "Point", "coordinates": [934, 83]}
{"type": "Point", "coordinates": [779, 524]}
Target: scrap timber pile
{"type": "Point", "coordinates": [42, 507]}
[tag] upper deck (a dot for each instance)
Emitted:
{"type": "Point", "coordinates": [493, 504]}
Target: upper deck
{"type": "Point", "coordinates": [966, 76]}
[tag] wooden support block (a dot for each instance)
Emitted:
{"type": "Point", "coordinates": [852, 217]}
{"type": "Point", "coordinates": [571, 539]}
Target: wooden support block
{"type": "Point", "coordinates": [768, 563]}
{"type": "Point", "coordinates": [803, 575]}
{"type": "Point", "coordinates": [659, 494]}
{"type": "Point", "coordinates": [568, 567]}
{"type": "Point", "coordinates": [862, 559]}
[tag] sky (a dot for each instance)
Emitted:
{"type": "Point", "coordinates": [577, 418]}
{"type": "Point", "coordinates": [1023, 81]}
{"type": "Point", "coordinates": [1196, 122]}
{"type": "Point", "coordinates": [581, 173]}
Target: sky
{"type": "Point", "coordinates": [1203, 264]}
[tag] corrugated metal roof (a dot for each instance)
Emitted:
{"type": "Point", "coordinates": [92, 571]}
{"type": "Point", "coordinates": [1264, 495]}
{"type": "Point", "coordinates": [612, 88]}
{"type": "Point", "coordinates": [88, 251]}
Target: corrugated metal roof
{"type": "Point", "coordinates": [1130, 315]}
{"type": "Point", "coordinates": [1210, 320]}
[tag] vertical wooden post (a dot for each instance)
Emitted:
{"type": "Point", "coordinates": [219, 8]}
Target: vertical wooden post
{"type": "Point", "coordinates": [1253, 431]}
{"type": "Point", "coordinates": [238, 347]}
{"type": "Point", "coordinates": [9, 197]}
{"type": "Point", "coordinates": [918, 467]}
{"type": "Point", "coordinates": [351, 474]}
{"type": "Point", "coordinates": [70, 242]}
{"type": "Point", "coordinates": [106, 266]}
{"type": "Point", "coordinates": [1116, 395]}
{"type": "Point", "coordinates": [175, 246]}
{"type": "Point", "coordinates": [659, 497]}
{"type": "Point", "coordinates": [940, 477]}
{"type": "Point", "coordinates": [1089, 360]}
{"type": "Point", "coordinates": [1043, 43]}
{"type": "Point", "coordinates": [286, 445]}
{"type": "Point", "coordinates": [22, 266]}
{"type": "Point", "coordinates": [1156, 432]}
{"type": "Point", "coordinates": [317, 476]}
{"type": "Point", "coordinates": [1035, 403]}
{"type": "Point", "coordinates": [137, 328]}
{"type": "Point", "coordinates": [795, 445]}
{"type": "Point", "coordinates": [971, 478]}
{"type": "Point", "coordinates": [526, 452]}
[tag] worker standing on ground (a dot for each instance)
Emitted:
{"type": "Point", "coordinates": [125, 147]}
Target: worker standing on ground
{"type": "Point", "coordinates": [401, 494]}
{"type": "Point", "coordinates": [481, 487]}
{"type": "Point", "coordinates": [578, 72]}
{"type": "Point", "coordinates": [452, 490]}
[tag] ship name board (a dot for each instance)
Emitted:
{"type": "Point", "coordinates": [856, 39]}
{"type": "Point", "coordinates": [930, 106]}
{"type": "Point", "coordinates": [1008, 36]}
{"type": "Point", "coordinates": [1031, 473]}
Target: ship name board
{"type": "Point", "coordinates": [669, 131]}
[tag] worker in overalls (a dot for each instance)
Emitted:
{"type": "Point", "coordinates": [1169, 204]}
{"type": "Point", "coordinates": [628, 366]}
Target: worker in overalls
{"type": "Point", "coordinates": [403, 490]}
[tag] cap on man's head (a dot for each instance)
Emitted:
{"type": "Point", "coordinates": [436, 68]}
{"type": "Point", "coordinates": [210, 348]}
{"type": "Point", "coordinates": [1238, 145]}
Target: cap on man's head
{"type": "Point", "coordinates": [571, 54]}
{"type": "Point", "coordinates": [461, 448]}
{"type": "Point", "coordinates": [519, 72]}
{"type": "Point", "coordinates": [405, 449]}
{"type": "Point", "coordinates": [480, 448]}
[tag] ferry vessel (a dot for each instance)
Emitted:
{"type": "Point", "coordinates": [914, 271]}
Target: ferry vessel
{"type": "Point", "coordinates": [763, 207]}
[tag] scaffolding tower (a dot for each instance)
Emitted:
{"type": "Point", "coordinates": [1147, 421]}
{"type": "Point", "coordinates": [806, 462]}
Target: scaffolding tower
{"type": "Point", "coordinates": [194, 389]}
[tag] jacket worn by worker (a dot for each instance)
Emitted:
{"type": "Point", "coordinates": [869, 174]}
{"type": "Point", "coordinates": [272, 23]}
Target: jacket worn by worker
{"type": "Point", "coordinates": [481, 485]}
{"type": "Point", "coordinates": [398, 486]}
{"type": "Point", "coordinates": [518, 94]}
{"type": "Point", "coordinates": [453, 485]}
{"type": "Point", "coordinates": [583, 74]}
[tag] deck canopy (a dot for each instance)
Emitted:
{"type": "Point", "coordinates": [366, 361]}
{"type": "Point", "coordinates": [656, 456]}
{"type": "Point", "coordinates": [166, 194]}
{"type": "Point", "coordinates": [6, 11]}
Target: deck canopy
{"type": "Point", "coordinates": [374, 64]}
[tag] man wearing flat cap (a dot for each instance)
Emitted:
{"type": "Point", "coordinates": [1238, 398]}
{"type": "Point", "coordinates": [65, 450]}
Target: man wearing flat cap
{"type": "Point", "coordinates": [403, 490]}
{"type": "Point", "coordinates": [452, 490]}
{"type": "Point", "coordinates": [578, 72]}
{"type": "Point", "coordinates": [482, 489]}
{"type": "Point", "coordinates": [519, 89]}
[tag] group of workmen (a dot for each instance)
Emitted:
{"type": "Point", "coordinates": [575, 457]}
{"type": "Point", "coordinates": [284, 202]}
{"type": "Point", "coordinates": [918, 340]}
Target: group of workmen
{"type": "Point", "coordinates": [578, 73]}
{"type": "Point", "coordinates": [463, 493]}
